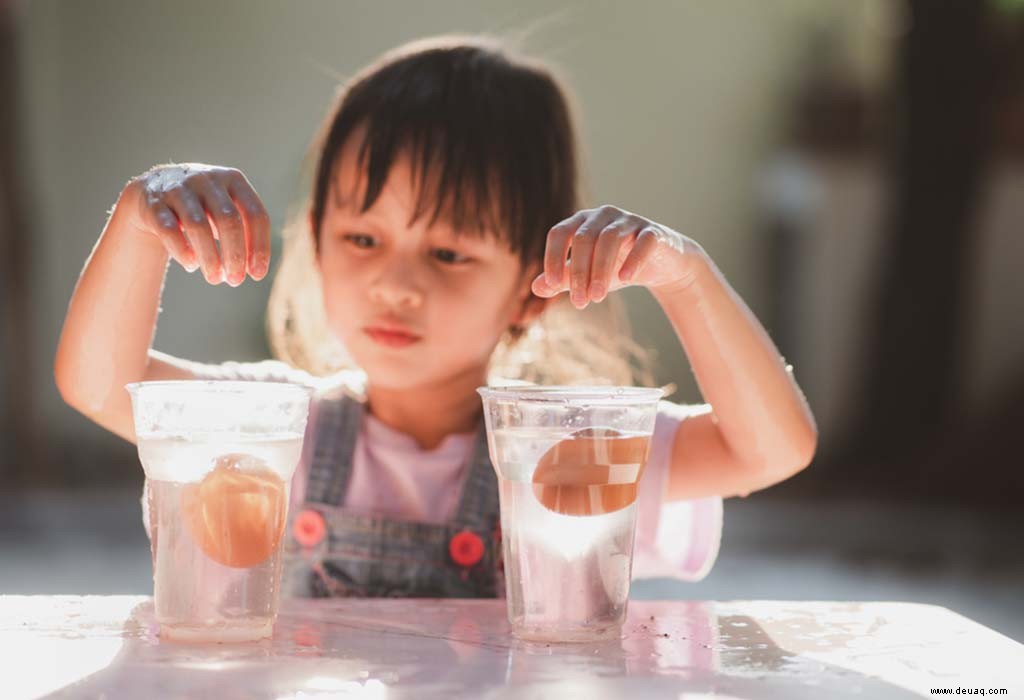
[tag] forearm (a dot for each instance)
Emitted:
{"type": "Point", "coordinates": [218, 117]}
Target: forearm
{"type": "Point", "coordinates": [760, 410]}
{"type": "Point", "coordinates": [111, 318]}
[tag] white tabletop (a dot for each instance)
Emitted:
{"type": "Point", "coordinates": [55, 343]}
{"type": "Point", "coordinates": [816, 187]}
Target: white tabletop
{"type": "Point", "coordinates": [107, 647]}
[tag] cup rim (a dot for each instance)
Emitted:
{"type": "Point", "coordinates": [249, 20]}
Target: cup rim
{"type": "Point", "coordinates": [571, 394]}
{"type": "Point", "coordinates": [221, 386]}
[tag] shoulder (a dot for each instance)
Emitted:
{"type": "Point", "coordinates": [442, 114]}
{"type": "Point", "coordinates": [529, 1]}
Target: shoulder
{"type": "Point", "coordinates": [343, 383]}
{"type": "Point", "coordinates": [679, 539]}
{"type": "Point", "coordinates": [262, 371]}
{"type": "Point", "coordinates": [666, 426]}
{"type": "Point", "coordinates": [671, 414]}
{"type": "Point", "coordinates": [669, 410]}
{"type": "Point", "coordinates": [659, 459]}
{"type": "Point", "coordinates": [349, 383]}
{"type": "Point", "coordinates": [497, 380]}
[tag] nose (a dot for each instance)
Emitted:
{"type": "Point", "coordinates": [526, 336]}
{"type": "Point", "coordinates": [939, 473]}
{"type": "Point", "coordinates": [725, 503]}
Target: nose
{"type": "Point", "coordinates": [395, 287]}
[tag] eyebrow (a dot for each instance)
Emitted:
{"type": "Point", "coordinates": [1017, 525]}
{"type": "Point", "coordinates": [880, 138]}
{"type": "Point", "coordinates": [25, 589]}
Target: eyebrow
{"type": "Point", "coordinates": [442, 227]}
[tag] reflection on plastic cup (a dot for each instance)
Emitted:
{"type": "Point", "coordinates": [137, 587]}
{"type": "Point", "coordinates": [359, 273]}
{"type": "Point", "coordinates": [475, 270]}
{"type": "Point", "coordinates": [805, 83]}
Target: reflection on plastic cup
{"type": "Point", "coordinates": [218, 457]}
{"type": "Point", "coordinates": [568, 461]}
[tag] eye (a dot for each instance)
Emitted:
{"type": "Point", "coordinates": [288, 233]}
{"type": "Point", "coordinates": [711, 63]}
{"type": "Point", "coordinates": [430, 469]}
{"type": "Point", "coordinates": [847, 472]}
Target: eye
{"type": "Point", "coordinates": [360, 240]}
{"type": "Point", "coordinates": [449, 256]}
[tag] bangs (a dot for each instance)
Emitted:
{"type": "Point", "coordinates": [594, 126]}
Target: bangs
{"type": "Point", "coordinates": [489, 143]}
{"type": "Point", "coordinates": [450, 183]}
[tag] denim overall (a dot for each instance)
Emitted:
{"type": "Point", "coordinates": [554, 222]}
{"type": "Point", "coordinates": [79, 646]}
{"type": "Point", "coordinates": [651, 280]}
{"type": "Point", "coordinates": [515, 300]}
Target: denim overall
{"type": "Point", "coordinates": [365, 555]}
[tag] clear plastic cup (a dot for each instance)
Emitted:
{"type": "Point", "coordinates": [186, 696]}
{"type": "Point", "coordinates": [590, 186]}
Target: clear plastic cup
{"type": "Point", "coordinates": [568, 461]}
{"type": "Point", "coordinates": [218, 457]}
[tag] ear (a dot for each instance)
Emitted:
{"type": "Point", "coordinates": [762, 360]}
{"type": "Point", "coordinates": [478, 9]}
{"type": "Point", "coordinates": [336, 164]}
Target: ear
{"type": "Point", "coordinates": [529, 306]}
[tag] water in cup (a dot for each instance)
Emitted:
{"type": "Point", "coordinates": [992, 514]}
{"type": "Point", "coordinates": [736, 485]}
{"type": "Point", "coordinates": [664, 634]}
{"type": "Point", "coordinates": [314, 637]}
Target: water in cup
{"type": "Point", "coordinates": [568, 465]}
{"type": "Point", "coordinates": [223, 529]}
{"type": "Point", "coordinates": [568, 527]}
{"type": "Point", "coordinates": [218, 494]}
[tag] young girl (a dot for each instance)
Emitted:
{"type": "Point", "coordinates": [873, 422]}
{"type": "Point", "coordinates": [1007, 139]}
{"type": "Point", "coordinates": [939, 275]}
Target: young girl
{"type": "Point", "coordinates": [442, 230]}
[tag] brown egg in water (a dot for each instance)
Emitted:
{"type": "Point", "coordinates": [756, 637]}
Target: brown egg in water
{"type": "Point", "coordinates": [236, 514]}
{"type": "Point", "coordinates": [592, 472]}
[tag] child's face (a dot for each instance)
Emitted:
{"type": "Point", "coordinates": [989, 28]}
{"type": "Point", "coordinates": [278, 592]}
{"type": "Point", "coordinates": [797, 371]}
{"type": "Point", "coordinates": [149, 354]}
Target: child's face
{"type": "Point", "coordinates": [450, 298]}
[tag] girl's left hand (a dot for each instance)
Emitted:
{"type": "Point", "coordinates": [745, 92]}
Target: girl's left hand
{"type": "Point", "coordinates": [611, 248]}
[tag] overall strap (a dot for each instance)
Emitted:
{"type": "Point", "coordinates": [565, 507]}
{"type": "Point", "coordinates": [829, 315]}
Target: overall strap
{"type": "Point", "coordinates": [338, 424]}
{"type": "Point", "coordinates": [478, 506]}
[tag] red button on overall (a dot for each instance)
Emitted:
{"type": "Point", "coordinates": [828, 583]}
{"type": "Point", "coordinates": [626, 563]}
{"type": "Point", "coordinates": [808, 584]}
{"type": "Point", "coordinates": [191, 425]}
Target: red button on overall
{"type": "Point", "coordinates": [309, 528]}
{"type": "Point", "coordinates": [466, 548]}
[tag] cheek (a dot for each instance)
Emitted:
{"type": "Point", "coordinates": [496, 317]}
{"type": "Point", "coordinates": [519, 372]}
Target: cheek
{"type": "Point", "coordinates": [464, 315]}
{"type": "Point", "coordinates": [475, 313]}
{"type": "Point", "coordinates": [339, 294]}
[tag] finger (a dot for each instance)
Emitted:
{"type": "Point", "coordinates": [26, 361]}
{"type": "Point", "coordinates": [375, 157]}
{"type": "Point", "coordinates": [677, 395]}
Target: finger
{"type": "Point", "coordinates": [161, 219]}
{"type": "Point", "coordinates": [579, 265]}
{"type": "Point", "coordinates": [606, 253]}
{"type": "Point", "coordinates": [257, 225]}
{"type": "Point", "coordinates": [556, 251]}
{"type": "Point", "coordinates": [230, 230]}
{"type": "Point", "coordinates": [646, 242]}
{"type": "Point", "coordinates": [582, 251]}
{"type": "Point", "coordinates": [190, 213]}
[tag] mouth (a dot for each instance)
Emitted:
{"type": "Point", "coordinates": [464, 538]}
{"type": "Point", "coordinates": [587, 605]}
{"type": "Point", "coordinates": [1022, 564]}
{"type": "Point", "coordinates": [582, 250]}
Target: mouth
{"type": "Point", "coordinates": [391, 337]}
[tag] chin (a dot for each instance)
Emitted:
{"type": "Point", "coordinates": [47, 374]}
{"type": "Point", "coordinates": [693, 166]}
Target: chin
{"type": "Point", "coordinates": [392, 372]}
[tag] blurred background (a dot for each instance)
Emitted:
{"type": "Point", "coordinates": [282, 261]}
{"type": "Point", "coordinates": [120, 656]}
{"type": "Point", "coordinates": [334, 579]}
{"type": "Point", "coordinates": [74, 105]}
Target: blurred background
{"type": "Point", "coordinates": [855, 168]}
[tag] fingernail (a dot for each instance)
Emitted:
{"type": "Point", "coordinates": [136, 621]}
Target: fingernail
{"type": "Point", "coordinates": [597, 291]}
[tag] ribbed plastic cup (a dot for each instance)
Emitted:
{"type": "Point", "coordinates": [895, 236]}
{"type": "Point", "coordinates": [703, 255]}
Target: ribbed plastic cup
{"type": "Point", "coordinates": [568, 461]}
{"type": "Point", "coordinates": [219, 458]}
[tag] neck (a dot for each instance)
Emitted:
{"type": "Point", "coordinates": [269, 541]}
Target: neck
{"type": "Point", "coordinates": [430, 412]}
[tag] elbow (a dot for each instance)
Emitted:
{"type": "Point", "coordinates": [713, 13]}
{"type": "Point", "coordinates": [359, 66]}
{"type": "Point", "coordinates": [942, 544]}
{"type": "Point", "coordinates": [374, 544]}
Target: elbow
{"type": "Point", "coordinates": [61, 381]}
{"type": "Point", "coordinates": [65, 387]}
{"type": "Point", "coordinates": [69, 389]}
{"type": "Point", "coordinates": [782, 461]}
{"type": "Point", "coordinates": [799, 451]}
{"type": "Point", "coordinates": [806, 447]}
{"type": "Point", "coordinates": [787, 458]}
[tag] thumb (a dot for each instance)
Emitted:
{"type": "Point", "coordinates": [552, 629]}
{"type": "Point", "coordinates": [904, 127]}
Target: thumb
{"type": "Point", "coordinates": [542, 288]}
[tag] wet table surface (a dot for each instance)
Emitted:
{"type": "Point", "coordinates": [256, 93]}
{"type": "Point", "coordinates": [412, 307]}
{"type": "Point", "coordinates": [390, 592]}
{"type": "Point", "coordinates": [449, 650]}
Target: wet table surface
{"type": "Point", "coordinates": [108, 647]}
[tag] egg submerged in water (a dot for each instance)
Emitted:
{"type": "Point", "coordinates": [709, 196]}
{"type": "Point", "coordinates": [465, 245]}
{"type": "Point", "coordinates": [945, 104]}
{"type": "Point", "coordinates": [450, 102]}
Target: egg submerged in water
{"type": "Point", "coordinates": [236, 513]}
{"type": "Point", "coordinates": [593, 472]}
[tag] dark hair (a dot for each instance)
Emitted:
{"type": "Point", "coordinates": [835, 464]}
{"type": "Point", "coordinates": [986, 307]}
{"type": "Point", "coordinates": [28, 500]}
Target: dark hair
{"type": "Point", "coordinates": [492, 146]}
{"type": "Point", "coordinates": [490, 139]}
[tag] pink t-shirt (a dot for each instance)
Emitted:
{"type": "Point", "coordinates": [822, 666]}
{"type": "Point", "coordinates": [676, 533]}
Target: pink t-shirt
{"type": "Point", "coordinates": [393, 476]}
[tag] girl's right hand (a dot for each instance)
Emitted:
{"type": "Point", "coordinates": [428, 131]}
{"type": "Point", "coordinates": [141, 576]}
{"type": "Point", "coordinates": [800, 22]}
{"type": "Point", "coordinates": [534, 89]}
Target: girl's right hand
{"type": "Point", "coordinates": [189, 206]}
